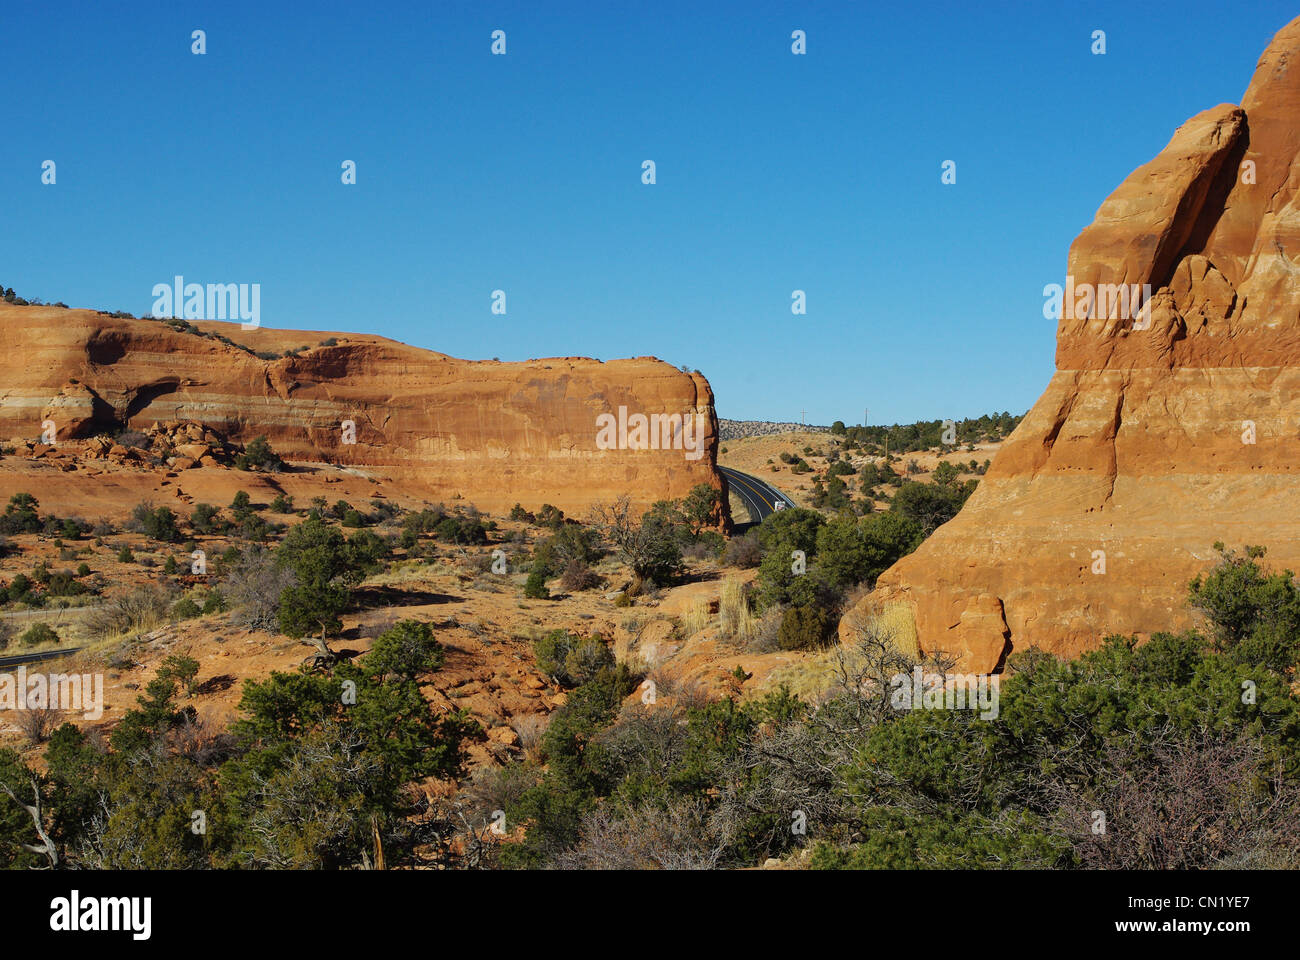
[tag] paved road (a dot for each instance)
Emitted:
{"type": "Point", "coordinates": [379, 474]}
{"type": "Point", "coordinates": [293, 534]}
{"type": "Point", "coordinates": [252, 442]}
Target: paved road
{"type": "Point", "coordinates": [760, 498]}
{"type": "Point", "coordinates": [36, 657]}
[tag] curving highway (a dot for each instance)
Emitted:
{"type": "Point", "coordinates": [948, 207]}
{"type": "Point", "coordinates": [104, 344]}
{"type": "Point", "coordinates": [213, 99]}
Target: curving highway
{"type": "Point", "coordinates": [760, 498]}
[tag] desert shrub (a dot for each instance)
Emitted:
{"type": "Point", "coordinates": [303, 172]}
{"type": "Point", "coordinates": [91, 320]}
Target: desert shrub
{"type": "Point", "coordinates": [570, 542]}
{"type": "Point", "coordinates": [1254, 616]}
{"type": "Point", "coordinates": [185, 609]}
{"type": "Point", "coordinates": [462, 529]}
{"type": "Point", "coordinates": [253, 584]}
{"type": "Point", "coordinates": [241, 505]}
{"type": "Point", "coordinates": [20, 589]}
{"type": "Point", "coordinates": [743, 552]}
{"type": "Point", "coordinates": [125, 555]}
{"type": "Point", "coordinates": [767, 629]}
{"type": "Point", "coordinates": [157, 524]}
{"type": "Point", "coordinates": [578, 576]}
{"type": "Point", "coordinates": [650, 546]}
{"type": "Point", "coordinates": [569, 659]}
{"type": "Point", "coordinates": [39, 633]}
{"type": "Point", "coordinates": [535, 586]}
{"type": "Point", "coordinates": [63, 584]}
{"type": "Point", "coordinates": [21, 515]}
{"type": "Point", "coordinates": [930, 505]}
{"type": "Point", "coordinates": [73, 528]}
{"type": "Point", "coordinates": [383, 511]}
{"type": "Point", "coordinates": [283, 503]}
{"type": "Point", "coordinates": [852, 551]}
{"type": "Point", "coordinates": [806, 627]}
{"type": "Point", "coordinates": [37, 723]}
{"type": "Point", "coordinates": [141, 609]}
{"type": "Point", "coordinates": [205, 519]}
{"type": "Point", "coordinates": [181, 669]}
{"type": "Point", "coordinates": [406, 649]}
{"type": "Point", "coordinates": [326, 566]}
{"type": "Point", "coordinates": [550, 516]}
{"type": "Point", "coordinates": [366, 551]}
{"type": "Point", "coordinates": [700, 508]}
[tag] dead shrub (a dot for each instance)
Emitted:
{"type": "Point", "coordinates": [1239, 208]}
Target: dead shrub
{"type": "Point", "coordinates": [578, 575]}
{"type": "Point", "coordinates": [139, 610]}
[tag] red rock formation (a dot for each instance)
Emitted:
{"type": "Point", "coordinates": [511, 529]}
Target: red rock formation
{"type": "Point", "coordinates": [493, 433]}
{"type": "Point", "coordinates": [1140, 448]}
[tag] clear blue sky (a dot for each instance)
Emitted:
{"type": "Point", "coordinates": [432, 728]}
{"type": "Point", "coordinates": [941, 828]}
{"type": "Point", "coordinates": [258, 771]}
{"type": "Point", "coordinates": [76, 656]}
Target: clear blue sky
{"type": "Point", "coordinates": [523, 172]}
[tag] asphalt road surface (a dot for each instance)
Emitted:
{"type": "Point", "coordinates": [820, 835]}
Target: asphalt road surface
{"type": "Point", "coordinates": [36, 657]}
{"type": "Point", "coordinates": [760, 498]}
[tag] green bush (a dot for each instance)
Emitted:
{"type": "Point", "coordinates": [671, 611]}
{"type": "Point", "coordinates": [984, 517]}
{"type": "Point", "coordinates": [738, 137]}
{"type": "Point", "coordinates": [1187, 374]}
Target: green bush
{"type": "Point", "coordinates": [406, 649]}
{"type": "Point", "coordinates": [806, 628]}
{"type": "Point", "coordinates": [157, 524]}
{"type": "Point", "coordinates": [39, 633]}
{"type": "Point", "coordinates": [535, 586]}
{"type": "Point", "coordinates": [569, 659]}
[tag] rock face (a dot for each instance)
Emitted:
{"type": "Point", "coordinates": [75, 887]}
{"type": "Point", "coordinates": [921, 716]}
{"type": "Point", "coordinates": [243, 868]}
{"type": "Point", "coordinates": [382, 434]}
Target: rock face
{"type": "Point", "coordinates": [1169, 424]}
{"type": "Point", "coordinates": [492, 433]}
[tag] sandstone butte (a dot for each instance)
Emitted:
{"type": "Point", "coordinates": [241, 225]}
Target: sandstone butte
{"type": "Point", "coordinates": [491, 433]}
{"type": "Point", "coordinates": [1136, 446]}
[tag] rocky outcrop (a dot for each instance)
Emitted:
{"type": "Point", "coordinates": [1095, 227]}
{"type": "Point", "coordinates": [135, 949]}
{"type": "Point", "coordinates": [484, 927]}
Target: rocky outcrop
{"type": "Point", "coordinates": [492, 433]}
{"type": "Point", "coordinates": [1173, 418]}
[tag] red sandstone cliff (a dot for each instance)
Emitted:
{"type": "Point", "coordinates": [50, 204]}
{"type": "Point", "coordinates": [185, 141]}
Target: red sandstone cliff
{"type": "Point", "coordinates": [494, 433]}
{"type": "Point", "coordinates": [1138, 448]}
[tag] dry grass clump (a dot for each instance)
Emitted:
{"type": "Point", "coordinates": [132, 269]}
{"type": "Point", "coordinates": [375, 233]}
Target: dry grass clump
{"type": "Point", "coordinates": [894, 622]}
{"type": "Point", "coordinates": [696, 617]}
{"type": "Point", "coordinates": [530, 727]}
{"type": "Point", "coordinates": [735, 619]}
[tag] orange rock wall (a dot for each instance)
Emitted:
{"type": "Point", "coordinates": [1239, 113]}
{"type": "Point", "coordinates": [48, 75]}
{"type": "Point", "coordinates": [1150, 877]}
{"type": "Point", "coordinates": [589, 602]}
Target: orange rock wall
{"type": "Point", "coordinates": [494, 433]}
{"type": "Point", "coordinates": [1138, 453]}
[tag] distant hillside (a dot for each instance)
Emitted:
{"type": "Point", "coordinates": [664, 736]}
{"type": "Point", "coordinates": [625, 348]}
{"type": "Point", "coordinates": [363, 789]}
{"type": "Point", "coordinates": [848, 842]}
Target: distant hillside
{"type": "Point", "coordinates": [738, 429]}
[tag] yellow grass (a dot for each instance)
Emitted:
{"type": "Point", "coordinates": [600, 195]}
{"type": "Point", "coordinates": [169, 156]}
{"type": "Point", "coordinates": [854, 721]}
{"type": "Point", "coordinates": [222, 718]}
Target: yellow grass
{"type": "Point", "coordinates": [810, 679]}
{"type": "Point", "coordinates": [696, 617]}
{"type": "Point", "coordinates": [734, 616]}
{"type": "Point", "coordinates": [897, 623]}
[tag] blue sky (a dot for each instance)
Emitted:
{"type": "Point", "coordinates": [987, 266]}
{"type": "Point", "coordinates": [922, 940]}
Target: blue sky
{"type": "Point", "coordinates": [522, 173]}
